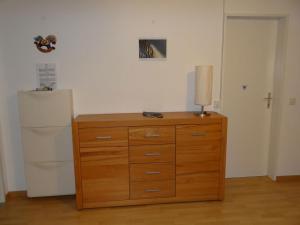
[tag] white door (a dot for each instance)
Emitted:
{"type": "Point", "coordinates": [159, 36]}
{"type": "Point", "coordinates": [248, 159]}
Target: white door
{"type": "Point", "coordinates": [249, 57]}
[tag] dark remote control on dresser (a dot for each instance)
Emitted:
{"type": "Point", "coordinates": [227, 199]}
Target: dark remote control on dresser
{"type": "Point", "coordinates": [153, 114]}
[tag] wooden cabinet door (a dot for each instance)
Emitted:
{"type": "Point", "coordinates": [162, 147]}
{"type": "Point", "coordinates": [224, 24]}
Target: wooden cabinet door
{"type": "Point", "coordinates": [105, 175]}
{"type": "Point", "coordinates": [197, 171]}
{"type": "Point", "coordinates": [198, 162]}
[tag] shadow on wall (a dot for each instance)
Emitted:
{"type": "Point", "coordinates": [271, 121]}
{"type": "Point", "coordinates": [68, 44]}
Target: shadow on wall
{"type": "Point", "coordinates": [190, 95]}
{"type": "Point", "coordinates": [13, 142]}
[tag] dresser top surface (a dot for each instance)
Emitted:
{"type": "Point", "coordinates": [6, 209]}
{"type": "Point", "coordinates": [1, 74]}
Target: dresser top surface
{"type": "Point", "coordinates": [137, 119]}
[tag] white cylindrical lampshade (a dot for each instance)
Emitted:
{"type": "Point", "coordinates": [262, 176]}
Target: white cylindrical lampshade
{"type": "Point", "coordinates": [204, 80]}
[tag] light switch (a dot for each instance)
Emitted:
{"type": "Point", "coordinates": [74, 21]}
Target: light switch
{"type": "Point", "coordinates": [216, 105]}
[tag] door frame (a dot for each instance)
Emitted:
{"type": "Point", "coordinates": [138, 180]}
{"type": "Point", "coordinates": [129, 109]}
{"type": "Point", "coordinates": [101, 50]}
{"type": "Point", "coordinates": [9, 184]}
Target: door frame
{"type": "Point", "coordinates": [3, 187]}
{"type": "Point", "coordinates": [278, 81]}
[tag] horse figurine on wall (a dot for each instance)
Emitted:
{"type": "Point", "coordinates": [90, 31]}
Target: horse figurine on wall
{"type": "Point", "coordinates": [45, 45]}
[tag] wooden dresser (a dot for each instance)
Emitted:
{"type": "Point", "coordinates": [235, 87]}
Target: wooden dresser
{"type": "Point", "coordinates": [128, 159]}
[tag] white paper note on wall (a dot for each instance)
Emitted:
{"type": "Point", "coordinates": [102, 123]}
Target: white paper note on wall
{"type": "Point", "coordinates": [46, 75]}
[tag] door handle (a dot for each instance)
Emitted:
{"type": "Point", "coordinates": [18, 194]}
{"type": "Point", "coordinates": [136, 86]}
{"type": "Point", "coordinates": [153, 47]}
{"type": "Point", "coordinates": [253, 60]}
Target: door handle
{"type": "Point", "coordinates": [269, 99]}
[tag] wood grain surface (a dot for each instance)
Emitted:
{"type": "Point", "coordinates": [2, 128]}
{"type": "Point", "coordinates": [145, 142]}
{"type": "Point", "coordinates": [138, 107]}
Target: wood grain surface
{"type": "Point", "coordinates": [152, 189]}
{"type": "Point", "coordinates": [152, 172]}
{"type": "Point", "coordinates": [152, 135]}
{"type": "Point", "coordinates": [151, 153]}
{"type": "Point", "coordinates": [125, 159]}
{"type": "Point", "coordinates": [102, 137]}
{"type": "Point", "coordinates": [248, 201]}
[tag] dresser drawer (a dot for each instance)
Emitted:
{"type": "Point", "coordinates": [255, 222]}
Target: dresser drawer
{"type": "Point", "coordinates": [152, 172]}
{"type": "Point", "coordinates": [196, 134]}
{"type": "Point", "coordinates": [152, 135]}
{"type": "Point", "coordinates": [152, 153]}
{"type": "Point", "coordinates": [97, 137]}
{"type": "Point", "coordinates": [105, 155]}
{"type": "Point", "coordinates": [152, 189]}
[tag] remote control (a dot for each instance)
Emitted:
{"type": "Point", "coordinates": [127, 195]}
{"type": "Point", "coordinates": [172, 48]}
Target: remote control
{"type": "Point", "coordinates": [153, 114]}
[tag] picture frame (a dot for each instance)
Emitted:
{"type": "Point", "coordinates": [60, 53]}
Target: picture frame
{"type": "Point", "coordinates": [152, 48]}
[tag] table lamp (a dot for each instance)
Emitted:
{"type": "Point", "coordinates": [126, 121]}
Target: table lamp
{"type": "Point", "coordinates": [203, 90]}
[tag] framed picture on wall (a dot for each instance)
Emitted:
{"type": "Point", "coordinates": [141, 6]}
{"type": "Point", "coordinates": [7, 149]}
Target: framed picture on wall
{"type": "Point", "coordinates": [152, 48]}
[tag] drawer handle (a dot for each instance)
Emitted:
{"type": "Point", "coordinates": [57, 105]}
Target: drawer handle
{"type": "Point", "coordinates": [152, 154]}
{"type": "Point", "coordinates": [152, 190]}
{"type": "Point", "coordinates": [152, 135]}
{"type": "Point", "coordinates": [103, 137]}
{"type": "Point", "coordinates": [152, 172]}
{"type": "Point", "coordinates": [199, 134]}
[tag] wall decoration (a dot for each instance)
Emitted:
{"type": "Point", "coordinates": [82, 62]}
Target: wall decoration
{"type": "Point", "coordinates": [46, 76]}
{"type": "Point", "coordinates": [152, 48]}
{"type": "Point", "coordinates": [45, 45]}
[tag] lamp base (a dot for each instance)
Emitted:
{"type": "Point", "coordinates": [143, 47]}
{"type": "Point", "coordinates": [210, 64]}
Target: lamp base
{"type": "Point", "coordinates": [202, 113]}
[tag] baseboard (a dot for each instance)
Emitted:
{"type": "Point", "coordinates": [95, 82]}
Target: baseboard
{"type": "Point", "coordinates": [288, 178]}
{"type": "Point", "coordinates": [15, 194]}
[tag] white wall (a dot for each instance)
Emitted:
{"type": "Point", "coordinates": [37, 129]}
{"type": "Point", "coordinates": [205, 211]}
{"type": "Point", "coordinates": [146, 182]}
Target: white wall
{"type": "Point", "coordinates": [97, 56]}
{"type": "Point", "coordinates": [287, 160]}
{"type": "Point", "coordinates": [3, 185]}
